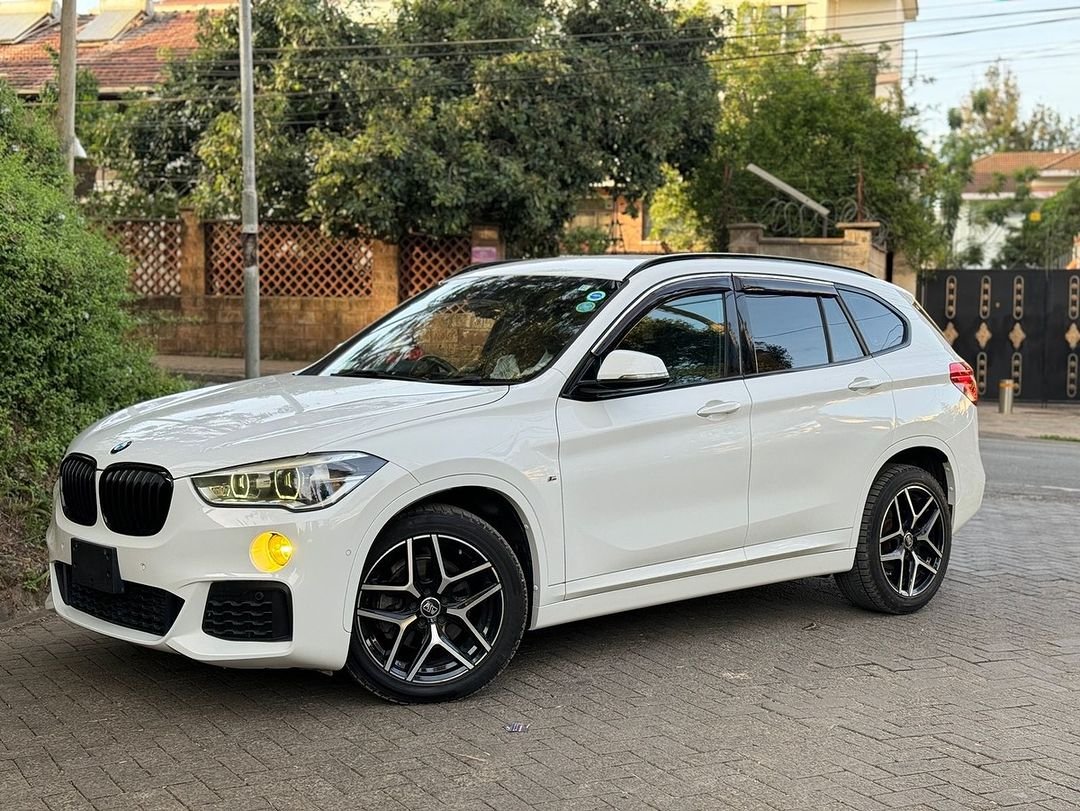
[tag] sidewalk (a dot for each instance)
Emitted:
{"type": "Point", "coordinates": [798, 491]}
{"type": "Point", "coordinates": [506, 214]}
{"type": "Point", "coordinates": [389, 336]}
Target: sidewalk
{"type": "Point", "coordinates": [1031, 422]}
{"type": "Point", "coordinates": [220, 370]}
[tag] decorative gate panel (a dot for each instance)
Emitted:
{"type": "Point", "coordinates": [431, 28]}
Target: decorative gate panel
{"type": "Point", "coordinates": [1022, 325]}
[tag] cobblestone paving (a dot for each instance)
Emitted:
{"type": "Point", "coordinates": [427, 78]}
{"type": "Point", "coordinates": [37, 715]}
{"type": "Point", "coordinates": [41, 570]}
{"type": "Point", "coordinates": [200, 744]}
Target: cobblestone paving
{"type": "Point", "coordinates": [780, 697]}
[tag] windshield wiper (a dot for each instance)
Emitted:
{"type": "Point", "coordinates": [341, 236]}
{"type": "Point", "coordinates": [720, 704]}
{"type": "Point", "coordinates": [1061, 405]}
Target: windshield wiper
{"type": "Point", "coordinates": [373, 374]}
{"type": "Point", "coordinates": [460, 379]}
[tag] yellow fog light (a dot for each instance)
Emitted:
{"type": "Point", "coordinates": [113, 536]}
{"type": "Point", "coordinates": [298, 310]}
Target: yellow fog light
{"type": "Point", "coordinates": [271, 551]}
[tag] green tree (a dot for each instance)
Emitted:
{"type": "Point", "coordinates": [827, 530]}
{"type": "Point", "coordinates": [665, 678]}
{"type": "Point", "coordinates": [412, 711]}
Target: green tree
{"type": "Point", "coordinates": [990, 120]}
{"type": "Point", "coordinates": [66, 357]}
{"type": "Point", "coordinates": [451, 113]}
{"type": "Point", "coordinates": [805, 110]}
{"type": "Point", "coordinates": [182, 144]}
{"type": "Point", "coordinates": [675, 223]}
{"type": "Point", "coordinates": [605, 92]}
{"type": "Point", "coordinates": [1044, 238]}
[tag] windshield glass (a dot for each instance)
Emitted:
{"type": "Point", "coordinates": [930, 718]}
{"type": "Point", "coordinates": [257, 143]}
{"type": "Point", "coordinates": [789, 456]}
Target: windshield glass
{"type": "Point", "coordinates": [477, 329]}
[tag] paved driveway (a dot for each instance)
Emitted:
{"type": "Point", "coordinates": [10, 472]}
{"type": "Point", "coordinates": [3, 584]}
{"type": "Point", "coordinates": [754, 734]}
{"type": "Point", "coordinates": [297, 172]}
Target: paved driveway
{"type": "Point", "coordinates": [780, 697]}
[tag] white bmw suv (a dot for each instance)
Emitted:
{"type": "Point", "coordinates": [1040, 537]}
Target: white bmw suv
{"type": "Point", "coordinates": [528, 444]}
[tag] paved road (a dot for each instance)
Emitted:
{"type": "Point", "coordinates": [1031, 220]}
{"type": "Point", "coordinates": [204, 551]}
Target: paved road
{"type": "Point", "coordinates": [776, 698]}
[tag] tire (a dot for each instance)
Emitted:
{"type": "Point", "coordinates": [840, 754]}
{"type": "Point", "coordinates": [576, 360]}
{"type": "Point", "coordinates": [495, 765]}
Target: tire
{"type": "Point", "coordinates": [904, 543]}
{"type": "Point", "coordinates": [440, 610]}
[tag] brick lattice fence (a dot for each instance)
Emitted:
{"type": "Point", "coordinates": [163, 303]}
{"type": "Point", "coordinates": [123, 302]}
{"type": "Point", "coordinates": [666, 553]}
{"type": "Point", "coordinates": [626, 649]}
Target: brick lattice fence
{"type": "Point", "coordinates": [295, 259]}
{"type": "Point", "coordinates": [426, 261]}
{"type": "Point", "coordinates": [316, 290]}
{"type": "Point", "coordinates": [154, 248]}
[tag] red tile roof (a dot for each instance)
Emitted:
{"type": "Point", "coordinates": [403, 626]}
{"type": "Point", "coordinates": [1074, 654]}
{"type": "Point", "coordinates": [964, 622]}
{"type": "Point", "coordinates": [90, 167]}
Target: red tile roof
{"type": "Point", "coordinates": [1068, 162]}
{"type": "Point", "coordinates": [985, 171]}
{"type": "Point", "coordinates": [132, 61]}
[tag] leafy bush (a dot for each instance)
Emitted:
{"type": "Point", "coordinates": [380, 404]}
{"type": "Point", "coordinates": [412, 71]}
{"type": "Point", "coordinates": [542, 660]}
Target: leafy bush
{"type": "Point", "coordinates": [584, 240]}
{"type": "Point", "coordinates": [66, 355]}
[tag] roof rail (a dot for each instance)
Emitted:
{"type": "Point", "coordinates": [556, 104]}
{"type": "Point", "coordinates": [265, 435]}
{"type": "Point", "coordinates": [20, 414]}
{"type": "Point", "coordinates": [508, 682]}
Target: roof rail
{"type": "Point", "coordinates": [674, 257]}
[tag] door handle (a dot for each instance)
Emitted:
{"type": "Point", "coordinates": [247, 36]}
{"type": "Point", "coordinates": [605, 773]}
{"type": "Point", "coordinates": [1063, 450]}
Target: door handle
{"type": "Point", "coordinates": [865, 384]}
{"type": "Point", "coordinates": [718, 408]}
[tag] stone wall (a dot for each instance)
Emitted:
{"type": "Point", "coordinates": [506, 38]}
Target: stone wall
{"type": "Point", "coordinates": [294, 328]}
{"type": "Point", "coordinates": [206, 316]}
{"type": "Point", "coordinates": [855, 249]}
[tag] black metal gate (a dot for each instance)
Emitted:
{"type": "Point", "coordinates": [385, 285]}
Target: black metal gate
{"type": "Point", "coordinates": [1018, 324]}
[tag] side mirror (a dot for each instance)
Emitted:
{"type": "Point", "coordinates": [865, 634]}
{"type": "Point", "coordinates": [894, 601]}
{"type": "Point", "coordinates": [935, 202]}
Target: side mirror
{"type": "Point", "coordinates": [624, 369]}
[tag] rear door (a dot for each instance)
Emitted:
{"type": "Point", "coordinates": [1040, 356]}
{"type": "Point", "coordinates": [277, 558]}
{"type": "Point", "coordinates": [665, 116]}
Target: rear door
{"type": "Point", "coordinates": [822, 412]}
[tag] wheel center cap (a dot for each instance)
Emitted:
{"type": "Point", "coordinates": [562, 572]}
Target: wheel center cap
{"type": "Point", "coordinates": [430, 607]}
{"type": "Point", "coordinates": [909, 540]}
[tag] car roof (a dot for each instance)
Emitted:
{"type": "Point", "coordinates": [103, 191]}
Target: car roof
{"type": "Point", "coordinates": [619, 267]}
{"type": "Point", "coordinates": [598, 266]}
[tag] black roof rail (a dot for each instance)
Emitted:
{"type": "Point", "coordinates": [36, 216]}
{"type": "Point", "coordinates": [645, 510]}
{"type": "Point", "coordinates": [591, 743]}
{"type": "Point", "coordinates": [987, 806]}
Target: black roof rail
{"type": "Point", "coordinates": [675, 257]}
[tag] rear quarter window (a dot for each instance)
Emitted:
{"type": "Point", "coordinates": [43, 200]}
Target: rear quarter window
{"type": "Point", "coordinates": [881, 328]}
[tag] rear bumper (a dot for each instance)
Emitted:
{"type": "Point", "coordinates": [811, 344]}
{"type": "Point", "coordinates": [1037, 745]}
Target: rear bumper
{"type": "Point", "coordinates": [968, 476]}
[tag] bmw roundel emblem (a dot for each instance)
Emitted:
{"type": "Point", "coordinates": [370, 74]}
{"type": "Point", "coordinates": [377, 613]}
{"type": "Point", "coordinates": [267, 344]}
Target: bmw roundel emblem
{"type": "Point", "coordinates": [119, 446]}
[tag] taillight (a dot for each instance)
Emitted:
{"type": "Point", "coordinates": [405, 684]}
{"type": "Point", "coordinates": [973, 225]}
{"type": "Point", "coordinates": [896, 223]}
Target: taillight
{"type": "Point", "coordinates": [964, 379]}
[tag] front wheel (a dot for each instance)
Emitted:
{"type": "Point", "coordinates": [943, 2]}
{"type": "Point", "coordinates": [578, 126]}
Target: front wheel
{"type": "Point", "coordinates": [440, 610]}
{"type": "Point", "coordinates": [904, 543]}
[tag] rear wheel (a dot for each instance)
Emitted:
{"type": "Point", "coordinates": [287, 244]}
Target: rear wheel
{"type": "Point", "coordinates": [904, 543]}
{"type": "Point", "coordinates": [440, 610]}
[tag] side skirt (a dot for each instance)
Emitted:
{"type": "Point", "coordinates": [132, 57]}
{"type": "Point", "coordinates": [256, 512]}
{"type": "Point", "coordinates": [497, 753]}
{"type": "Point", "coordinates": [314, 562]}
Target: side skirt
{"type": "Point", "coordinates": [737, 577]}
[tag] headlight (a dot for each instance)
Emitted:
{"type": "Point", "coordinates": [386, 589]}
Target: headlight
{"type": "Point", "coordinates": [299, 483]}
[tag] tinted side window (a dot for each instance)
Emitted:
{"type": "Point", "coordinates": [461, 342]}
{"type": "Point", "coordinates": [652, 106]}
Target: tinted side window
{"type": "Point", "coordinates": [881, 328]}
{"type": "Point", "coordinates": [689, 334]}
{"type": "Point", "coordinates": [787, 330]}
{"type": "Point", "coordinates": [845, 346]}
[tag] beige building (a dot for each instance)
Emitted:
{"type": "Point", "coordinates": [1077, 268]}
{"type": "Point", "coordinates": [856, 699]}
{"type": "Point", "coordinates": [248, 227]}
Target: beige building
{"type": "Point", "coordinates": [873, 24]}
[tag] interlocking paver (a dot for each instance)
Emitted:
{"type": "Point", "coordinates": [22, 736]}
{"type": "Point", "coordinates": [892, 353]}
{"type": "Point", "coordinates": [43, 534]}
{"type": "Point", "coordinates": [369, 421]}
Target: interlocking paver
{"type": "Point", "coordinates": [781, 697]}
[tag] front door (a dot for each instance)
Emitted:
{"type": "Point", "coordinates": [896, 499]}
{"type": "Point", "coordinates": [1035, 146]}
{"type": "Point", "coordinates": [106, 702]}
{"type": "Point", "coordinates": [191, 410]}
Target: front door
{"type": "Point", "coordinates": [658, 476]}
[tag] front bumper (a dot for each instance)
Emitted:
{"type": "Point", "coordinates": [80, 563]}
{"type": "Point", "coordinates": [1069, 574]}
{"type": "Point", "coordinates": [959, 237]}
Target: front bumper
{"type": "Point", "coordinates": [202, 545]}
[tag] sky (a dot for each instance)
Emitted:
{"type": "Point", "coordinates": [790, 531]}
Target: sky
{"type": "Point", "coordinates": [1044, 57]}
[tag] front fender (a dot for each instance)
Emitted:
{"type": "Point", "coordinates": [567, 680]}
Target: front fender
{"type": "Point", "coordinates": [534, 531]}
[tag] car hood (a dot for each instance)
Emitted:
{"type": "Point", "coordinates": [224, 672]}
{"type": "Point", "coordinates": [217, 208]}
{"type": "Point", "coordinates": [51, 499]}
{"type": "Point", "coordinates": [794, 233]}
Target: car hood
{"type": "Point", "coordinates": [268, 418]}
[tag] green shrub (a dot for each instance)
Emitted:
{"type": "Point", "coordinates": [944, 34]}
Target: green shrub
{"type": "Point", "coordinates": [580, 239]}
{"type": "Point", "coordinates": [66, 352]}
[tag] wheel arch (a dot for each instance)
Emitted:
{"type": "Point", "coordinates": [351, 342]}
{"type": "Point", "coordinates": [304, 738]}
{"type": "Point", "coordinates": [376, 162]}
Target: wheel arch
{"type": "Point", "coordinates": [493, 500]}
{"type": "Point", "coordinates": [933, 460]}
{"type": "Point", "coordinates": [926, 452]}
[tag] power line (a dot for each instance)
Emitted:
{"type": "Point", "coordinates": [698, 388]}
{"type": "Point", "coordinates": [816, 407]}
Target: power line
{"type": "Point", "coordinates": [622, 34]}
{"type": "Point", "coordinates": [448, 46]}
{"type": "Point", "coordinates": [540, 77]}
{"type": "Point", "coordinates": [317, 118]}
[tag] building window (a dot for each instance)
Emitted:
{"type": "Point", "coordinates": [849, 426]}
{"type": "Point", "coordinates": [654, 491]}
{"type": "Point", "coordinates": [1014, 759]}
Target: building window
{"type": "Point", "coordinates": [593, 212]}
{"type": "Point", "coordinates": [789, 20]}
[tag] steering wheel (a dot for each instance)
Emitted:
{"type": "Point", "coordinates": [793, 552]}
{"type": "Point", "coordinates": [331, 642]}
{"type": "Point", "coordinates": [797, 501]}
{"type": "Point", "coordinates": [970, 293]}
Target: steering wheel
{"type": "Point", "coordinates": [434, 363]}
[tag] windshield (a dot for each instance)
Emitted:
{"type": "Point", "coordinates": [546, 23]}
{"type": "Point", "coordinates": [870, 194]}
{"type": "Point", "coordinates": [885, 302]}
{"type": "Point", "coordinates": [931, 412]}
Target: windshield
{"type": "Point", "coordinates": [477, 329]}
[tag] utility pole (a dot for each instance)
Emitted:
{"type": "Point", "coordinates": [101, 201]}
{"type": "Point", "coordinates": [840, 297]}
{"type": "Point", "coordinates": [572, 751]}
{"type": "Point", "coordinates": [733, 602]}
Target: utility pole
{"type": "Point", "coordinates": [69, 23]}
{"type": "Point", "coordinates": [249, 203]}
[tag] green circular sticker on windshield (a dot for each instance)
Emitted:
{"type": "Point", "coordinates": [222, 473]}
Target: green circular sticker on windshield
{"type": "Point", "coordinates": [586, 307]}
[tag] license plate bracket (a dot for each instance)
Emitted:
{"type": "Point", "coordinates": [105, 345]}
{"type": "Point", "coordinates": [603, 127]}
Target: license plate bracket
{"type": "Point", "coordinates": [95, 567]}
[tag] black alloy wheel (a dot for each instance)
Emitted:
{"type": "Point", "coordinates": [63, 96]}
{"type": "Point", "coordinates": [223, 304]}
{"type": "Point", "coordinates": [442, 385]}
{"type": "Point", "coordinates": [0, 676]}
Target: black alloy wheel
{"type": "Point", "coordinates": [440, 610]}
